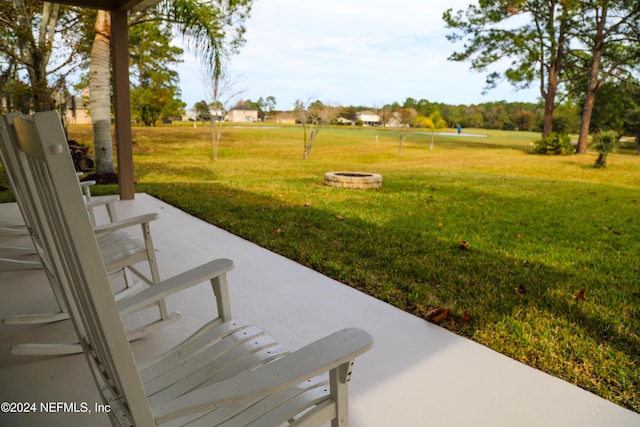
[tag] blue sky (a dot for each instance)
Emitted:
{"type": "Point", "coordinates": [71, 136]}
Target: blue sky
{"type": "Point", "coordinates": [351, 52]}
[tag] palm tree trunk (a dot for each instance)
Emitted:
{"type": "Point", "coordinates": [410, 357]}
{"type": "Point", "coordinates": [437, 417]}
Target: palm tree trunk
{"type": "Point", "coordinates": [100, 88]}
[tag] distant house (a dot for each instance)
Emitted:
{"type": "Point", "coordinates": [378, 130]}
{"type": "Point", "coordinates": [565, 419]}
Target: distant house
{"type": "Point", "coordinates": [343, 121]}
{"type": "Point", "coordinates": [217, 115]}
{"type": "Point", "coordinates": [191, 115]}
{"type": "Point", "coordinates": [283, 118]}
{"type": "Point", "coordinates": [77, 111]}
{"type": "Point", "coordinates": [81, 116]}
{"type": "Point", "coordinates": [368, 118]}
{"type": "Point", "coordinates": [242, 114]}
{"type": "Point", "coordinates": [395, 121]}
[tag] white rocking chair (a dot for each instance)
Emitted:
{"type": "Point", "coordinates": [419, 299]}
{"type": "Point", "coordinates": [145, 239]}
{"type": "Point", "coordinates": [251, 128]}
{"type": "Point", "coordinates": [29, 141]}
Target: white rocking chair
{"type": "Point", "coordinates": [121, 250]}
{"type": "Point", "coordinates": [226, 374]}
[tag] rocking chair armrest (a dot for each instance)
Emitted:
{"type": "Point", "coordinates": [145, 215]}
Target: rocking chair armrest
{"type": "Point", "coordinates": [321, 356]}
{"type": "Point", "coordinates": [102, 200]}
{"type": "Point", "coordinates": [129, 222]}
{"type": "Point", "coordinates": [86, 183]}
{"type": "Point", "coordinates": [197, 275]}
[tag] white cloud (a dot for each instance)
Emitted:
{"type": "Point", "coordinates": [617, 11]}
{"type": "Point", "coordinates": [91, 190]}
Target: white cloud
{"type": "Point", "coordinates": [351, 53]}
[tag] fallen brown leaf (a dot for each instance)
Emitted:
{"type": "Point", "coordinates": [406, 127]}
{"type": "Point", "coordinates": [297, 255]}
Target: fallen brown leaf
{"type": "Point", "coordinates": [278, 231]}
{"type": "Point", "coordinates": [466, 318]}
{"type": "Point", "coordinates": [464, 245]}
{"type": "Point", "coordinates": [438, 314]}
{"type": "Point", "coordinates": [521, 290]}
{"type": "Point", "coordinates": [580, 295]}
{"type": "Point", "coordinates": [340, 217]}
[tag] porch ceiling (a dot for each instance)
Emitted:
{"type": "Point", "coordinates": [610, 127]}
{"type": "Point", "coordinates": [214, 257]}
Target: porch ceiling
{"type": "Point", "coordinates": [109, 4]}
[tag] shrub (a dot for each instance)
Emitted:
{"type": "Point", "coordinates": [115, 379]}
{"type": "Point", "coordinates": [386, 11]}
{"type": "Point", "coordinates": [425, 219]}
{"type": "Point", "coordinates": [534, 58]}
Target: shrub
{"type": "Point", "coordinates": [555, 143]}
{"type": "Point", "coordinates": [605, 142]}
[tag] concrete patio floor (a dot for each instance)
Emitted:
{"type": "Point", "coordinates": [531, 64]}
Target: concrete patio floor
{"type": "Point", "coordinates": [417, 374]}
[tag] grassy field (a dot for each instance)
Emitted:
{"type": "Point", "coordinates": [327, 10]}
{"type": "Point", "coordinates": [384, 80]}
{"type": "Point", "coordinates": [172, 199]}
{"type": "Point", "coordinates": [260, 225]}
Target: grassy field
{"type": "Point", "coordinates": [551, 273]}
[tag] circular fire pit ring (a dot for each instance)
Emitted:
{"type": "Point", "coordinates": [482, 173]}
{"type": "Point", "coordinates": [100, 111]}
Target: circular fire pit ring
{"type": "Point", "coordinates": [353, 180]}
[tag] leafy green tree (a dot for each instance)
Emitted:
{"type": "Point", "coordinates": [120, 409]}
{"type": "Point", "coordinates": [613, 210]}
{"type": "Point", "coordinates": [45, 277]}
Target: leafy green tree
{"type": "Point", "coordinates": [617, 108]}
{"type": "Point", "coordinates": [566, 118]}
{"type": "Point", "coordinates": [203, 111]}
{"type": "Point", "coordinates": [155, 85]}
{"type": "Point", "coordinates": [495, 115]}
{"type": "Point", "coordinates": [609, 31]}
{"type": "Point", "coordinates": [270, 104]}
{"type": "Point", "coordinates": [474, 117]}
{"type": "Point", "coordinates": [263, 106]}
{"type": "Point", "coordinates": [348, 113]}
{"type": "Point", "coordinates": [532, 34]}
{"type": "Point", "coordinates": [523, 120]}
{"type": "Point", "coordinates": [632, 114]}
{"type": "Point", "coordinates": [453, 114]}
{"type": "Point", "coordinates": [433, 122]}
{"type": "Point", "coordinates": [610, 109]}
{"type": "Point", "coordinates": [410, 103]}
{"type": "Point", "coordinates": [30, 78]}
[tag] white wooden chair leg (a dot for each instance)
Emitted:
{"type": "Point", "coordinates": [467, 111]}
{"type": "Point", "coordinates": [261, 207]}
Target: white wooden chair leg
{"type": "Point", "coordinates": [339, 383]}
{"type": "Point", "coordinates": [221, 290]}
{"type": "Point", "coordinates": [153, 267]}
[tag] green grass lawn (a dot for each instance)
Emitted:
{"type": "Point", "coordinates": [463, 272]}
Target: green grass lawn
{"type": "Point", "coordinates": [551, 273]}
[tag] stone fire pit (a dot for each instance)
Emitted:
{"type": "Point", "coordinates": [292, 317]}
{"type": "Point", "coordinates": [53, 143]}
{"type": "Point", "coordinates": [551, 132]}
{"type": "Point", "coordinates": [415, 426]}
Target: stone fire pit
{"type": "Point", "coordinates": [354, 180]}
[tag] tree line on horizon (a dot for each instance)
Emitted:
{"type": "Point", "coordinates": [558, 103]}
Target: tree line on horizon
{"type": "Point", "coordinates": [617, 109]}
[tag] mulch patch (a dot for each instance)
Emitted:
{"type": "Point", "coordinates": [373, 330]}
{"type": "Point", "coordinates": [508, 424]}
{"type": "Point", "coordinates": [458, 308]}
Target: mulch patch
{"type": "Point", "coordinates": [102, 178]}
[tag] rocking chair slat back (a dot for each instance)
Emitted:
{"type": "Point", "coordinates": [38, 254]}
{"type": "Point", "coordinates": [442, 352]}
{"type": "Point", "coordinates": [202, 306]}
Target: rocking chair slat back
{"type": "Point", "coordinates": [76, 260]}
